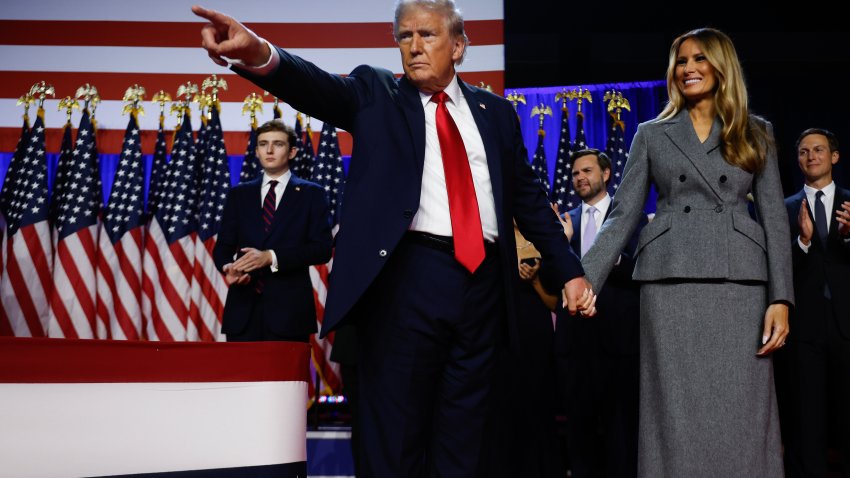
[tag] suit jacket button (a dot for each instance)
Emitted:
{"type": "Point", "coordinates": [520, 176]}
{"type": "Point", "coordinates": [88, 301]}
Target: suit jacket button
{"type": "Point", "coordinates": [723, 178]}
{"type": "Point", "coordinates": [408, 213]}
{"type": "Point", "coordinates": [719, 208]}
{"type": "Point", "coordinates": [687, 209]}
{"type": "Point", "coordinates": [682, 178]}
{"type": "Point", "coordinates": [382, 253]}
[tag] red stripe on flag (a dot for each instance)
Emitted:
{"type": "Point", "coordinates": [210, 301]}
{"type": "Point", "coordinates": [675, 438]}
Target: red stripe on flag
{"type": "Point", "coordinates": [188, 35]}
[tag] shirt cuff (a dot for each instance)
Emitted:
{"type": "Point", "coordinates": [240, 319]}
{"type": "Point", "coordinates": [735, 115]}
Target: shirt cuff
{"type": "Point", "coordinates": [273, 267]}
{"type": "Point", "coordinates": [270, 65]}
{"type": "Point", "coordinates": [804, 247]}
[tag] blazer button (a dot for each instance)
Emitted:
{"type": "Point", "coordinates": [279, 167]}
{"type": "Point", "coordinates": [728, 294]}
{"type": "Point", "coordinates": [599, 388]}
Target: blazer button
{"type": "Point", "coordinates": [719, 208]}
{"type": "Point", "coordinates": [382, 253]}
{"type": "Point", "coordinates": [408, 213]}
{"type": "Point", "coordinates": [723, 178]}
{"type": "Point", "coordinates": [682, 178]}
{"type": "Point", "coordinates": [687, 209]}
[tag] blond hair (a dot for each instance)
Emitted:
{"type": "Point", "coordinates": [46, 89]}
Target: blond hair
{"type": "Point", "coordinates": [744, 136]}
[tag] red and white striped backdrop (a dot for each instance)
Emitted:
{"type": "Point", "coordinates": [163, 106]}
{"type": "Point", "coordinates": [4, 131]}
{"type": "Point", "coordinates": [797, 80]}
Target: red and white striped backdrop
{"type": "Point", "coordinates": [156, 43]}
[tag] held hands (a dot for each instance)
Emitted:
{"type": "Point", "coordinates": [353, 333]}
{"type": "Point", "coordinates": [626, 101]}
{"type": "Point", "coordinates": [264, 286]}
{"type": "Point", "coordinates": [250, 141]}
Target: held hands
{"type": "Point", "coordinates": [252, 259]}
{"type": "Point", "coordinates": [842, 215]}
{"type": "Point", "coordinates": [566, 222]}
{"type": "Point", "coordinates": [225, 38]}
{"type": "Point", "coordinates": [807, 229]}
{"type": "Point", "coordinates": [775, 328]}
{"type": "Point", "coordinates": [578, 296]}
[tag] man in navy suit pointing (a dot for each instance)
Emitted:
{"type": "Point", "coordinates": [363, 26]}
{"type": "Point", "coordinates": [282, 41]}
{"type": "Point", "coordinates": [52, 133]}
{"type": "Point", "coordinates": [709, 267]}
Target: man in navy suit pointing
{"type": "Point", "coordinates": [425, 255]}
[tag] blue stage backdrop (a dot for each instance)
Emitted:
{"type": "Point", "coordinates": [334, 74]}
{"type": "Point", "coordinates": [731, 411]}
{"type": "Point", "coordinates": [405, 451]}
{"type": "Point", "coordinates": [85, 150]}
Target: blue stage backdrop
{"type": "Point", "coordinates": [646, 98]}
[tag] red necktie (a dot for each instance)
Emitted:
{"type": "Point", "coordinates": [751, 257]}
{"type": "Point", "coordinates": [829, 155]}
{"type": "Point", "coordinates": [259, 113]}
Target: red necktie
{"type": "Point", "coordinates": [463, 205]}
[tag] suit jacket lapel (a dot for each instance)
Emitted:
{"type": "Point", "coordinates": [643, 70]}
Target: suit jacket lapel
{"type": "Point", "coordinates": [488, 137]}
{"type": "Point", "coordinates": [575, 216]}
{"type": "Point", "coordinates": [681, 132]}
{"type": "Point", "coordinates": [411, 106]}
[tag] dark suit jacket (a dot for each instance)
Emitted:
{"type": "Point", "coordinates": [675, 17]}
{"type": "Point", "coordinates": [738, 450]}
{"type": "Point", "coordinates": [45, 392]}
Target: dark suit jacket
{"type": "Point", "coordinates": [300, 237]}
{"type": "Point", "coordinates": [830, 265]}
{"type": "Point", "coordinates": [615, 328]}
{"type": "Point", "coordinates": [385, 116]}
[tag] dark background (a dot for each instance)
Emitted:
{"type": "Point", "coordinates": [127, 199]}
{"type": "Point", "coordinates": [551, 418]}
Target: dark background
{"type": "Point", "coordinates": [796, 60]}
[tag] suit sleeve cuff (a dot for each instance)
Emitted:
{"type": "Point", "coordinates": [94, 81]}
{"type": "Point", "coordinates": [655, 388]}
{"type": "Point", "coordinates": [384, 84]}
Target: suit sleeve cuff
{"type": "Point", "coordinates": [804, 247]}
{"type": "Point", "coordinates": [273, 267]}
{"type": "Point", "coordinates": [269, 66]}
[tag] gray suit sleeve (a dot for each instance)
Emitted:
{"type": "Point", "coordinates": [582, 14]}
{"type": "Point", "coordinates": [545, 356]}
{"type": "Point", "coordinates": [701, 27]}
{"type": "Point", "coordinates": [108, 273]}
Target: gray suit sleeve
{"type": "Point", "coordinates": [626, 212]}
{"type": "Point", "coordinates": [767, 193]}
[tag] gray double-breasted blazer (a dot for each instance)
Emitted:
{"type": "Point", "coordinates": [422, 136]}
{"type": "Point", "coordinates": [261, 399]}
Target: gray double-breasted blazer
{"type": "Point", "coordinates": [702, 228]}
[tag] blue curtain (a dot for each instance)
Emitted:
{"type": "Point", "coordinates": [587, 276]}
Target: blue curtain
{"type": "Point", "coordinates": [646, 98]}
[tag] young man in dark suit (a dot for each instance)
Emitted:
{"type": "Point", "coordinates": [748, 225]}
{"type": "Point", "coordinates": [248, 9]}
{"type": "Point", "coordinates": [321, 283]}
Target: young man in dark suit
{"type": "Point", "coordinates": [272, 229]}
{"type": "Point", "coordinates": [425, 259]}
{"type": "Point", "coordinates": [597, 358]}
{"type": "Point", "coordinates": [817, 356]}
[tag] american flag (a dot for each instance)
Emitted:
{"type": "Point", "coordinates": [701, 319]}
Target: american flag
{"type": "Point", "coordinates": [169, 245]}
{"type": "Point", "coordinates": [27, 279]}
{"type": "Point", "coordinates": [115, 45]}
{"type": "Point", "coordinates": [158, 166]}
{"type": "Point", "coordinates": [251, 165]}
{"type": "Point", "coordinates": [580, 143]}
{"type": "Point", "coordinates": [538, 162]}
{"type": "Point", "coordinates": [77, 198]}
{"type": "Point", "coordinates": [119, 265]}
{"type": "Point", "coordinates": [302, 164]}
{"type": "Point", "coordinates": [208, 290]}
{"type": "Point", "coordinates": [328, 172]}
{"type": "Point", "coordinates": [616, 150]}
{"type": "Point", "coordinates": [562, 184]}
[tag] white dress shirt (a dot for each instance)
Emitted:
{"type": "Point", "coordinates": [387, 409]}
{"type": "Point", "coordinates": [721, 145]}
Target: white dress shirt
{"type": "Point", "coordinates": [828, 200]}
{"type": "Point", "coordinates": [279, 188]}
{"type": "Point", "coordinates": [433, 214]}
{"type": "Point", "coordinates": [601, 209]}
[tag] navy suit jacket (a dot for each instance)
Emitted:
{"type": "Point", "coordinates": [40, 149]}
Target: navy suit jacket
{"type": "Point", "coordinates": [821, 265]}
{"type": "Point", "coordinates": [300, 236]}
{"type": "Point", "coordinates": [615, 328]}
{"type": "Point", "coordinates": [386, 118]}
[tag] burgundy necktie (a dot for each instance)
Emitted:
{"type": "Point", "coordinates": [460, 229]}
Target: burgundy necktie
{"type": "Point", "coordinates": [268, 217]}
{"type": "Point", "coordinates": [463, 205]}
{"type": "Point", "coordinates": [269, 206]}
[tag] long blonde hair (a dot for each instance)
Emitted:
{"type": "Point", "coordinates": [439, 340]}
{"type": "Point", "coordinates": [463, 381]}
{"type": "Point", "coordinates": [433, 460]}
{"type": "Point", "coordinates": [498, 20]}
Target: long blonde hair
{"type": "Point", "coordinates": [745, 139]}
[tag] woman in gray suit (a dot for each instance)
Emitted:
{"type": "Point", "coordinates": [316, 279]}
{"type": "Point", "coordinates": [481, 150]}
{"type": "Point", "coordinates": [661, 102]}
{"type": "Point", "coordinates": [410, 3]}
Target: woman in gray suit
{"type": "Point", "coordinates": [715, 283]}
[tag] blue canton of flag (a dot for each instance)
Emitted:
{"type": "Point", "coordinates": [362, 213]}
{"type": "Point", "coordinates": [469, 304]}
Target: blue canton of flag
{"type": "Point", "coordinates": [78, 204]}
{"type": "Point", "coordinates": [579, 143]}
{"type": "Point", "coordinates": [616, 150]}
{"type": "Point", "coordinates": [328, 170]}
{"type": "Point", "coordinates": [28, 192]}
{"type": "Point", "coordinates": [14, 168]}
{"type": "Point", "coordinates": [125, 209]}
{"type": "Point", "coordinates": [215, 181]}
{"type": "Point", "coordinates": [60, 181]}
{"type": "Point", "coordinates": [538, 163]}
{"type": "Point", "coordinates": [563, 179]}
{"type": "Point", "coordinates": [302, 165]}
{"type": "Point", "coordinates": [176, 211]}
{"type": "Point", "coordinates": [251, 165]}
{"type": "Point", "coordinates": [157, 169]}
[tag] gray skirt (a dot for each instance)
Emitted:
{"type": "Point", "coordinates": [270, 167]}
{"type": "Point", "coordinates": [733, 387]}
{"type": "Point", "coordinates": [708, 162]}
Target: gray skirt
{"type": "Point", "coordinates": [707, 402]}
